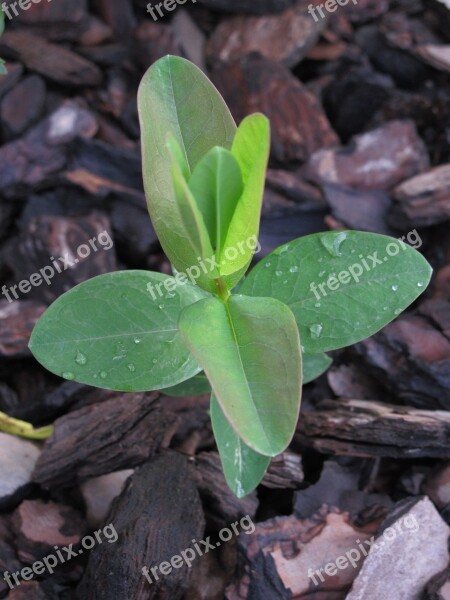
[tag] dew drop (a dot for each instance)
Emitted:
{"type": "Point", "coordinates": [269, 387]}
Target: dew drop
{"type": "Point", "coordinates": [394, 288]}
{"type": "Point", "coordinates": [154, 361]}
{"type": "Point", "coordinates": [303, 348]}
{"type": "Point", "coordinates": [317, 305]}
{"type": "Point", "coordinates": [68, 375]}
{"type": "Point", "coordinates": [316, 331]}
{"type": "Point", "coordinates": [293, 269]}
{"type": "Point", "coordinates": [278, 273]}
{"type": "Point", "coordinates": [397, 311]}
{"type": "Point", "coordinates": [283, 249]}
{"type": "Point", "coordinates": [267, 265]}
{"type": "Point", "coordinates": [131, 368]}
{"type": "Point", "coordinates": [285, 282]}
{"type": "Point", "coordinates": [170, 295]}
{"type": "Point", "coordinates": [80, 358]}
{"type": "Point", "coordinates": [420, 284]}
{"type": "Point", "coordinates": [160, 306]}
{"type": "Point", "coordinates": [120, 351]}
{"type": "Point", "coordinates": [103, 374]}
{"type": "Point", "coordinates": [137, 340]}
{"type": "Point", "coordinates": [332, 242]}
{"type": "Point", "coordinates": [322, 273]}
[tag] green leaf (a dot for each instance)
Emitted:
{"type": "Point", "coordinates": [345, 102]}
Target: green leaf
{"type": "Point", "coordinates": [251, 149]}
{"type": "Point", "coordinates": [176, 98]}
{"type": "Point", "coordinates": [197, 386]}
{"type": "Point", "coordinates": [314, 365]}
{"type": "Point", "coordinates": [115, 332]}
{"type": "Point", "coordinates": [191, 216]}
{"type": "Point", "coordinates": [243, 468]}
{"type": "Point", "coordinates": [249, 349]}
{"type": "Point", "coordinates": [374, 277]}
{"type": "Point", "coordinates": [216, 184]}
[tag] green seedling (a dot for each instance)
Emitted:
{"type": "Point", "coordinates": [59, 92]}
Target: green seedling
{"type": "Point", "coordinates": [252, 345]}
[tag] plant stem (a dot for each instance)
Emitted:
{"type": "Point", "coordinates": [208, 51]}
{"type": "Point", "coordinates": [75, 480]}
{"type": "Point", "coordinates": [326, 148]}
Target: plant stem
{"type": "Point", "coordinates": [222, 290]}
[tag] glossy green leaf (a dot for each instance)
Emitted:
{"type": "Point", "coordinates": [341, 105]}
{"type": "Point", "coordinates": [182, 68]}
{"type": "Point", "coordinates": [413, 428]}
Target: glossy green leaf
{"type": "Point", "coordinates": [249, 349]}
{"type": "Point", "coordinates": [374, 278]}
{"type": "Point", "coordinates": [243, 468]}
{"type": "Point", "coordinates": [196, 232]}
{"type": "Point", "coordinates": [176, 98]}
{"type": "Point", "coordinates": [314, 365]}
{"type": "Point", "coordinates": [251, 149]}
{"type": "Point", "coordinates": [196, 386]}
{"type": "Point", "coordinates": [216, 184]}
{"type": "Point", "coordinates": [116, 332]}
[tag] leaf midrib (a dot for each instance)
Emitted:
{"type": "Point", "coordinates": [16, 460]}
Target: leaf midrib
{"type": "Point", "coordinates": [106, 337]}
{"type": "Point", "coordinates": [235, 339]}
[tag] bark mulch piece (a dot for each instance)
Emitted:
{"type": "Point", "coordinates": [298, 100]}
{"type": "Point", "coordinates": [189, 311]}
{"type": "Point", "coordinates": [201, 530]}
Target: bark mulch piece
{"type": "Point", "coordinates": [156, 517]}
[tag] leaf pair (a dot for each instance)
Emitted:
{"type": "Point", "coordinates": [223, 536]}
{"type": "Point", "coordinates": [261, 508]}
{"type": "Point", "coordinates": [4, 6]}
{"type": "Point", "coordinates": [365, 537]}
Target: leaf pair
{"type": "Point", "coordinates": [202, 177]}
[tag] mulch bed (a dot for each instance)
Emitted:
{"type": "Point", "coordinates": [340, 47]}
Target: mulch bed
{"type": "Point", "coordinates": [360, 109]}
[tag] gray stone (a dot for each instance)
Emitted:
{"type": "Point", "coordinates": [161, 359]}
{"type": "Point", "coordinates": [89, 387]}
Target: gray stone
{"type": "Point", "coordinates": [99, 493]}
{"type": "Point", "coordinates": [411, 549]}
{"type": "Point", "coordinates": [17, 460]}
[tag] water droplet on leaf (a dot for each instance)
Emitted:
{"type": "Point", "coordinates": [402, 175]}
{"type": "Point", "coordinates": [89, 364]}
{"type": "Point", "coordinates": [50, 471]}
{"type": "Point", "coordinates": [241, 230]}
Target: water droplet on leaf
{"type": "Point", "coordinates": [267, 265]}
{"type": "Point", "coordinates": [131, 367]}
{"type": "Point", "coordinates": [80, 358]}
{"type": "Point", "coordinates": [332, 242]}
{"type": "Point", "coordinates": [293, 269]}
{"type": "Point", "coordinates": [394, 288]}
{"type": "Point", "coordinates": [278, 273]}
{"type": "Point", "coordinates": [420, 284]}
{"type": "Point", "coordinates": [316, 331]}
{"type": "Point", "coordinates": [103, 374]}
{"type": "Point", "coordinates": [68, 375]}
{"type": "Point", "coordinates": [137, 340]}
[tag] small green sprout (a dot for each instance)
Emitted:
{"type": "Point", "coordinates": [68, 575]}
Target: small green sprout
{"type": "Point", "coordinates": [253, 345]}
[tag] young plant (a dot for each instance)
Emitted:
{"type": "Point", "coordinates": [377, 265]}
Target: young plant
{"type": "Point", "coordinates": [194, 332]}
